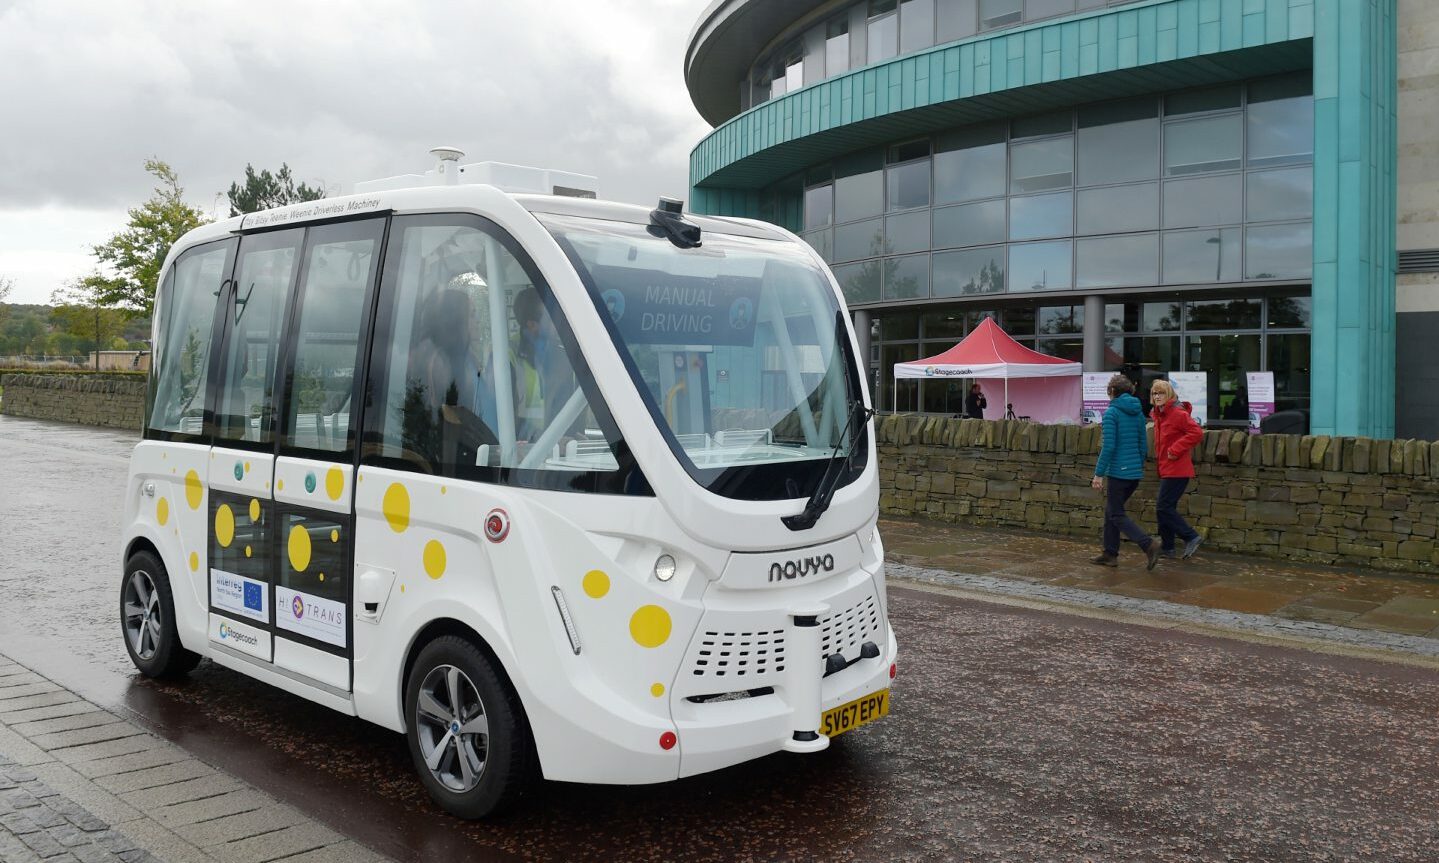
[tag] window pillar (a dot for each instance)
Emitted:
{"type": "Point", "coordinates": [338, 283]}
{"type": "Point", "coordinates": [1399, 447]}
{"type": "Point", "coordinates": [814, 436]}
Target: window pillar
{"type": "Point", "coordinates": [1094, 333]}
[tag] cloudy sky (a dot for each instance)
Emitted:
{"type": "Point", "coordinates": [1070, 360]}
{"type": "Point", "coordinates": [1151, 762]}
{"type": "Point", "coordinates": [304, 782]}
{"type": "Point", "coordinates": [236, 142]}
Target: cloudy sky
{"type": "Point", "coordinates": [340, 92]}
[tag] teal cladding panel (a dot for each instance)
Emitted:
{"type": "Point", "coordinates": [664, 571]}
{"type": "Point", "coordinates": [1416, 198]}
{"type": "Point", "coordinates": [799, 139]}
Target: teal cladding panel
{"type": "Point", "coordinates": [1355, 153]}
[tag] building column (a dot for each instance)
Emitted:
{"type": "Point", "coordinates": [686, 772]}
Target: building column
{"type": "Point", "coordinates": [1094, 334]}
{"type": "Point", "coordinates": [1355, 155]}
{"type": "Point", "coordinates": [862, 336]}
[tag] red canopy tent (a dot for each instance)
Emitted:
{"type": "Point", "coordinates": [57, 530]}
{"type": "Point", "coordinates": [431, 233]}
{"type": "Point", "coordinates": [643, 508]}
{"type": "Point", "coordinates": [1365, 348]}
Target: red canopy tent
{"type": "Point", "coordinates": [1045, 388]}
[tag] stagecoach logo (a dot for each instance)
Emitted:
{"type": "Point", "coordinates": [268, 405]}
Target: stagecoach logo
{"type": "Point", "coordinates": [792, 569]}
{"type": "Point", "coordinates": [229, 633]}
{"type": "Point", "coordinates": [937, 371]}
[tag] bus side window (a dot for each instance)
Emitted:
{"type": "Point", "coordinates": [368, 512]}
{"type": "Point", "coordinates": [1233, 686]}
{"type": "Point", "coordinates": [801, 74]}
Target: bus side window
{"type": "Point", "coordinates": [245, 409]}
{"type": "Point", "coordinates": [339, 268]}
{"type": "Point", "coordinates": [474, 375]}
{"type": "Point", "coordinates": [181, 358]}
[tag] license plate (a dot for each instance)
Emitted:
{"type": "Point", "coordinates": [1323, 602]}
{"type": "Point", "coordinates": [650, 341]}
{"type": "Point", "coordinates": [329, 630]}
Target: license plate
{"type": "Point", "coordinates": [861, 711]}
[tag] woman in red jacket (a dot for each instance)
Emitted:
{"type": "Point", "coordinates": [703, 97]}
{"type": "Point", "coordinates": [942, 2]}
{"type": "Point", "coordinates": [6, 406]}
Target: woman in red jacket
{"type": "Point", "coordinates": [1175, 434]}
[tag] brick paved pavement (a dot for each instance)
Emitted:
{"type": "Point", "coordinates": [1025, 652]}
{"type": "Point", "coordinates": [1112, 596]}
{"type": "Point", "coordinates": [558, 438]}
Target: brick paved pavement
{"type": "Point", "coordinates": [1366, 609]}
{"type": "Point", "coordinates": [78, 783]}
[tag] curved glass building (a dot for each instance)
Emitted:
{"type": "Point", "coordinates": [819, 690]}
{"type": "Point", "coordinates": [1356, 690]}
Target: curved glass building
{"type": "Point", "coordinates": [1153, 186]}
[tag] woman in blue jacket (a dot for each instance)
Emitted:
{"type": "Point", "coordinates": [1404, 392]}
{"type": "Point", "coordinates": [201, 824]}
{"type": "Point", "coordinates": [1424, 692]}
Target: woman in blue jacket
{"type": "Point", "coordinates": [1120, 467]}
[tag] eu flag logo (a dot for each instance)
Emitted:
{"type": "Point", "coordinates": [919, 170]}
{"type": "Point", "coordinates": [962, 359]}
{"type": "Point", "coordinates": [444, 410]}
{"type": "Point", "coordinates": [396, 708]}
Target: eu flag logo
{"type": "Point", "coordinates": [253, 598]}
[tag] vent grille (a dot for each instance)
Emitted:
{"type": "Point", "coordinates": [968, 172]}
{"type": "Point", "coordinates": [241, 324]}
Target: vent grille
{"type": "Point", "coordinates": [740, 654]}
{"type": "Point", "coordinates": [845, 631]}
{"type": "Point", "coordinates": [1419, 261]}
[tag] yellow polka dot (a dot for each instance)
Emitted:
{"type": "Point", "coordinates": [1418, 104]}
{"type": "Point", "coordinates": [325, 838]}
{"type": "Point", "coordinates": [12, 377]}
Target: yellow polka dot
{"type": "Point", "coordinates": [224, 525]}
{"type": "Point", "coordinates": [434, 559]}
{"type": "Point", "coordinates": [322, 576]}
{"type": "Point", "coordinates": [396, 507]}
{"type": "Point", "coordinates": [299, 548]}
{"type": "Point", "coordinates": [402, 588]}
{"type": "Point", "coordinates": [194, 562]}
{"type": "Point", "coordinates": [254, 511]}
{"type": "Point", "coordinates": [194, 491]}
{"type": "Point", "coordinates": [335, 483]}
{"type": "Point", "coordinates": [596, 583]}
{"type": "Point", "coordinates": [280, 484]}
{"type": "Point", "coordinates": [657, 690]}
{"type": "Point", "coordinates": [443, 489]}
{"type": "Point", "coordinates": [248, 551]}
{"type": "Point", "coordinates": [162, 511]}
{"type": "Point", "coordinates": [334, 536]}
{"type": "Point", "coordinates": [650, 626]}
{"type": "Point", "coordinates": [247, 467]}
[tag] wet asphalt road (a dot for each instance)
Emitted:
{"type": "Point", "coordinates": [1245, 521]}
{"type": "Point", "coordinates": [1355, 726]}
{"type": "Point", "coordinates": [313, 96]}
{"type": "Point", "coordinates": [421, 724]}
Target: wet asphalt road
{"type": "Point", "coordinates": [1016, 735]}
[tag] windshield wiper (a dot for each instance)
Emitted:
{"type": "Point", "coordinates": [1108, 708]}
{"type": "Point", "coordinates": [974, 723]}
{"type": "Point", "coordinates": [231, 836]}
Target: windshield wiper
{"type": "Point", "coordinates": [824, 492]}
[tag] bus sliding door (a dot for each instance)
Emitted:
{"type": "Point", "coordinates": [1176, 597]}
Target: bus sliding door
{"type": "Point", "coordinates": [315, 470]}
{"type": "Point", "coordinates": [240, 505]}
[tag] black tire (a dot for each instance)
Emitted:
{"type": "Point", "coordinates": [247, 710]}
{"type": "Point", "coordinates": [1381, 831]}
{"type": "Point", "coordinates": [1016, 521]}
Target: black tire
{"type": "Point", "coordinates": [159, 653]}
{"type": "Point", "coordinates": [506, 765]}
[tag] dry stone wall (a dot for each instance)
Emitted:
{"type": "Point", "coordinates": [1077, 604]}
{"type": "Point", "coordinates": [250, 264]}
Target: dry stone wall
{"type": "Point", "coordinates": [1348, 501]}
{"type": "Point", "coordinates": [89, 400]}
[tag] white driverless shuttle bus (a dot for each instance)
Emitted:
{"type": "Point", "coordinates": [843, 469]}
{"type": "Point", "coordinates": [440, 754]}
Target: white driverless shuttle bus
{"type": "Point", "coordinates": [536, 481]}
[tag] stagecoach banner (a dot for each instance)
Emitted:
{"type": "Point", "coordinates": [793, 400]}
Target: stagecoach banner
{"type": "Point", "coordinates": [987, 370]}
{"type": "Point", "coordinates": [1096, 397]}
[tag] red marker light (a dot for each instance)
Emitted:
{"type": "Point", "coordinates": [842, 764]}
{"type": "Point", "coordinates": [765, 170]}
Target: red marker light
{"type": "Point", "coordinates": [668, 741]}
{"type": "Point", "coordinates": [497, 525]}
{"type": "Point", "coordinates": [892, 670]}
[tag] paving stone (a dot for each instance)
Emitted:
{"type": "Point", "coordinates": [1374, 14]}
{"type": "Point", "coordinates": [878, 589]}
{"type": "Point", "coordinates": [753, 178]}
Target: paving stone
{"type": "Point", "coordinates": [281, 843]}
{"type": "Point", "coordinates": [85, 794]}
{"type": "Point", "coordinates": [26, 690]}
{"type": "Point", "coordinates": [49, 711]}
{"type": "Point", "coordinates": [59, 740]}
{"type": "Point", "coordinates": [136, 780]}
{"type": "Point", "coordinates": [46, 699]}
{"type": "Point", "coordinates": [89, 719]}
{"type": "Point", "coordinates": [162, 844]}
{"type": "Point", "coordinates": [180, 792]}
{"type": "Point", "coordinates": [212, 807]}
{"type": "Point", "coordinates": [20, 750]}
{"type": "Point", "coordinates": [12, 850]}
{"type": "Point", "coordinates": [343, 852]}
{"type": "Point", "coordinates": [18, 822]}
{"type": "Point", "coordinates": [22, 679]}
{"type": "Point", "coordinates": [108, 749]}
{"type": "Point", "coordinates": [42, 843]}
{"type": "Point", "coordinates": [232, 827]}
{"type": "Point", "coordinates": [132, 761]}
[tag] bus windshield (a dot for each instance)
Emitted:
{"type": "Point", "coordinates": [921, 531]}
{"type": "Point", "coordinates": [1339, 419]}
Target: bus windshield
{"type": "Point", "coordinates": [738, 347]}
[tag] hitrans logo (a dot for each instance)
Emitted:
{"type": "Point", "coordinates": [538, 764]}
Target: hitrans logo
{"type": "Point", "coordinates": [229, 633]}
{"type": "Point", "coordinates": [297, 606]}
{"type": "Point", "coordinates": [792, 569]}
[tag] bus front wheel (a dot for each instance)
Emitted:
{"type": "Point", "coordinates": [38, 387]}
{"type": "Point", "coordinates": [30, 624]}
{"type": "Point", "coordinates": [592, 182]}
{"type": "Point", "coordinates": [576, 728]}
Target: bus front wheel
{"type": "Point", "coordinates": [147, 616]}
{"type": "Point", "coordinates": [466, 731]}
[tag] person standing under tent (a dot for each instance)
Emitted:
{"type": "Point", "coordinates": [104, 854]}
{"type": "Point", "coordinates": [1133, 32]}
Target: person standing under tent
{"type": "Point", "coordinates": [975, 403]}
{"type": "Point", "coordinates": [1119, 469]}
{"type": "Point", "coordinates": [1175, 435]}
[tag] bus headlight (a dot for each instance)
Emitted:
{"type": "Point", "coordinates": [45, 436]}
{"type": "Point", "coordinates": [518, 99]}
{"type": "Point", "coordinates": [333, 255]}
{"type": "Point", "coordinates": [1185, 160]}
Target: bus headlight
{"type": "Point", "coordinates": [665, 568]}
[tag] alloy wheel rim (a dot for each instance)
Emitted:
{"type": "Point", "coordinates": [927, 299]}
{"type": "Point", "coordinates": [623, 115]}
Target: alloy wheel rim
{"type": "Point", "coordinates": [142, 614]}
{"type": "Point", "coordinates": [453, 728]}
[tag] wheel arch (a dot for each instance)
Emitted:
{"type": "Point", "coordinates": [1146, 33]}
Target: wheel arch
{"type": "Point", "coordinates": [441, 627]}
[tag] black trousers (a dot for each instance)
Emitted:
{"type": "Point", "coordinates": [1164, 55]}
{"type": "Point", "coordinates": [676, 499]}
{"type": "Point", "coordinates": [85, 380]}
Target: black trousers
{"type": "Point", "coordinates": [1166, 511]}
{"type": "Point", "coordinates": [1116, 520]}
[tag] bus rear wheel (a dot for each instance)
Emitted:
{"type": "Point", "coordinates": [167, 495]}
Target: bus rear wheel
{"type": "Point", "coordinates": [467, 734]}
{"type": "Point", "coordinates": [147, 617]}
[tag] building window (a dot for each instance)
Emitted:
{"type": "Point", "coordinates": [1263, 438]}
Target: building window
{"type": "Point", "coordinates": [882, 25]}
{"type": "Point", "coordinates": [836, 46]}
{"type": "Point", "coordinates": [999, 13]}
{"type": "Point", "coordinates": [916, 25]}
{"type": "Point", "coordinates": [1040, 266]}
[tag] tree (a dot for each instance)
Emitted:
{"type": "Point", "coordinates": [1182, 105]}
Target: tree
{"type": "Point", "coordinates": [6, 286]}
{"type": "Point", "coordinates": [134, 256]}
{"type": "Point", "coordinates": [79, 311]}
{"type": "Point", "coordinates": [265, 190]}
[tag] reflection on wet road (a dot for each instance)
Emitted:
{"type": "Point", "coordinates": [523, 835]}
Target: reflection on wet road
{"type": "Point", "coordinates": [1014, 735]}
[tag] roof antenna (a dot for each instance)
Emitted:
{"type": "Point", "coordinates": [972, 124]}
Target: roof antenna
{"type": "Point", "coordinates": [448, 164]}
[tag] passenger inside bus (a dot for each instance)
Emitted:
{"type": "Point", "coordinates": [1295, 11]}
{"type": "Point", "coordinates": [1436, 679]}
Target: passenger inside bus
{"type": "Point", "coordinates": [447, 377]}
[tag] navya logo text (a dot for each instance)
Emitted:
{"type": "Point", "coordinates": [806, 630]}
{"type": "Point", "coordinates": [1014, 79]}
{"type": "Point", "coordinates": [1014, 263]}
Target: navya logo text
{"type": "Point", "coordinates": [792, 569]}
{"type": "Point", "coordinates": [229, 633]}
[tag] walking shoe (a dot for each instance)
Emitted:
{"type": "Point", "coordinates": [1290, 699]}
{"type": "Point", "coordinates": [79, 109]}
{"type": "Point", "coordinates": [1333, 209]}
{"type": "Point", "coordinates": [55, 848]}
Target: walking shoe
{"type": "Point", "coordinates": [1107, 560]}
{"type": "Point", "coordinates": [1192, 546]}
{"type": "Point", "coordinates": [1168, 554]}
{"type": "Point", "coordinates": [1152, 553]}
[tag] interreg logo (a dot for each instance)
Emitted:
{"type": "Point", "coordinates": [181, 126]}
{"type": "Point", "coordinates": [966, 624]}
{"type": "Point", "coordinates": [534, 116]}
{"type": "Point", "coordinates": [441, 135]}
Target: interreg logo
{"type": "Point", "coordinates": [310, 482]}
{"type": "Point", "coordinates": [239, 471]}
{"type": "Point", "coordinates": [297, 606]}
{"type": "Point", "coordinates": [792, 569]}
